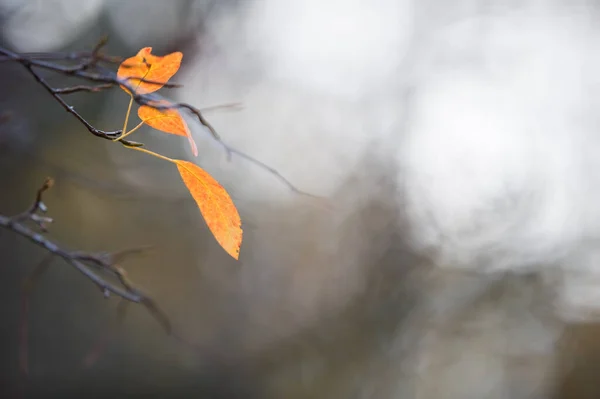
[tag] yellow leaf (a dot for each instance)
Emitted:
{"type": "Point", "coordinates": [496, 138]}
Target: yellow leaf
{"type": "Point", "coordinates": [167, 120]}
{"type": "Point", "coordinates": [150, 67]}
{"type": "Point", "coordinates": [215, 205]}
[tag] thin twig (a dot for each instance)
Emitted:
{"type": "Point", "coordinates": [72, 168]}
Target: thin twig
{"type": "Point", "coordinates": [79, 88]}
{"type": "Point", "coordinates": [70, 109]}
{"type": "Point", "coordinates": [229, 150]}
{"type": "Point", "coordinates": [221, 107]}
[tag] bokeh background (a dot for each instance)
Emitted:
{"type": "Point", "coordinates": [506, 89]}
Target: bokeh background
{"type": "Point", "coordinates": [454, 140]}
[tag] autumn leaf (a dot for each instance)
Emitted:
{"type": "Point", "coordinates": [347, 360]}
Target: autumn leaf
{"type": "Point", "coordinates": [167, 120]}
{"type": "Point", "coordinates": [150, 67]}
{"type": "Point", "coordinates": [215, 205]}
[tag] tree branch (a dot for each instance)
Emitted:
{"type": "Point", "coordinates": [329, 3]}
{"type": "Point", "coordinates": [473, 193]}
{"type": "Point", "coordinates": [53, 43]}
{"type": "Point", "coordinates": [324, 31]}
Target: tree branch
{"type": "Point", "coordinates": [96, 267]}
{"type": "Point", "coordinates": [81, 261]}
{"type": "Point", "coordinates": [87, 67]}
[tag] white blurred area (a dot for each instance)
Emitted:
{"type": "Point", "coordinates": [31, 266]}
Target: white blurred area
{"type": "Point", "coordinates": [318, 86]}
{"type": "Point", "coordinates": [46, 25]}
{"type": "Point", "coordinates": [495, 142]}
{"type": "Point", "coordinates": [501, 150]}
{"type": "Point", "coordinates": [500, 162]}
{"type": "Point", "coordinates": [344, 48]}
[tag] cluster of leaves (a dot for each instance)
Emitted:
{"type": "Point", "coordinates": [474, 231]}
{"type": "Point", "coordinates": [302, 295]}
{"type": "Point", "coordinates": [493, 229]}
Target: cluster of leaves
{"type": "Point", "coordinates": [148, 73]}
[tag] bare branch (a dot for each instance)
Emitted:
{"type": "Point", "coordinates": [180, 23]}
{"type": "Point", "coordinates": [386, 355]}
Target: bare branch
{"type": "Point", "coordinates": [83, 261]}
{"type": "Point", "coordinates": [70, 109]}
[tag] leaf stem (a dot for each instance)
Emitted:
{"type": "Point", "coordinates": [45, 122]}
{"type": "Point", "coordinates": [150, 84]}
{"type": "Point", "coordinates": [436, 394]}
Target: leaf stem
{"type": "Point", "coordinates": [153, 154]}
{"type": "Point", "coordinates": [139, 125]}
{"type": "Point", "coordinates": [124, 133]}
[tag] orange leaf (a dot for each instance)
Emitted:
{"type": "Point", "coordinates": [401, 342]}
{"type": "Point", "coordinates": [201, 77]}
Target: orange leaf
{"type": "Point", "coordinates": [216, 206]}
{"type": "Point", "coordinates": [150, 67]}
{"type": "Point", "coordinates": [167, 120]}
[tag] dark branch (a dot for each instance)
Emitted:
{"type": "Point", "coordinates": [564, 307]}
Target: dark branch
{"type": "Point", "coordinates": [88, 69]}
{"type": "Point", "coordinates": [70, 109]}
{"type": "Point", "coordinates": [83, 262]}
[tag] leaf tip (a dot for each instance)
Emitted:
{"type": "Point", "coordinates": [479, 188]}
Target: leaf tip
{"type": "Point", "coordinates": [145, 51]}
{"type": "Point", "coordinates": [193, 145]}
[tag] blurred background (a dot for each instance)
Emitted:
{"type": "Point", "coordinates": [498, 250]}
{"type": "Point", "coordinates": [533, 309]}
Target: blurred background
{"type": "Point", "coordinates": [454, 140]}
